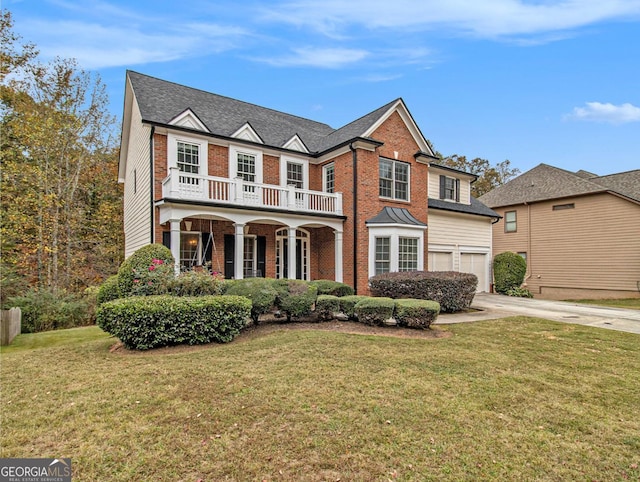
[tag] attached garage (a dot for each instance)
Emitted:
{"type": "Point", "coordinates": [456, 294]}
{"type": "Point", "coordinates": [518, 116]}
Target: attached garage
{"type": "Point", "coordinates": [475, 263]}
{"type": "Point", "coordinates": [440, 261]}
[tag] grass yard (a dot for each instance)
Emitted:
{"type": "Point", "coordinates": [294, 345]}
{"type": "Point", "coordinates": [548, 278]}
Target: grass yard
{"type": "Point", "coordinates": [632, 303]}
{"type": "Point", "coordinates": [514, 399]}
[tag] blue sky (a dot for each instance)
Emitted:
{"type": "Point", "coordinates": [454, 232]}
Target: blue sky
{"type": "Point", "coordinates": [530, 81]}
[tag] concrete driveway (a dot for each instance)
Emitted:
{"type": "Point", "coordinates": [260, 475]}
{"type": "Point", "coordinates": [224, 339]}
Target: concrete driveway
{"type": "Point", "coordinates": [494, 306]}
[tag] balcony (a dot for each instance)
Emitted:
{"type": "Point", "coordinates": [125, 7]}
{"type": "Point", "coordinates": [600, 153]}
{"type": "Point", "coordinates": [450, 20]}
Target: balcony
{"type": "Point", "coordinates": [237, 192]}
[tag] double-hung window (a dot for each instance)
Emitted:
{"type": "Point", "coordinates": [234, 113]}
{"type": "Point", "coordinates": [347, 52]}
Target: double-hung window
{"type": "Point", "coordinates": [383, 255]}
{"type": "Point", "coordinates": [329, 177]}
{"type": "Point", "coordinates": [394, 179]}
{"type": "Point", "coordinates": [407, 254]}
{"type": "Point", "coordinates": [449, 188]}
{"type": "Point", "coordinates": [510, 222]}
{"type": "Point", "coordinates": [295, 175]}
{"type": "Point", "coordinates": [188, 161]}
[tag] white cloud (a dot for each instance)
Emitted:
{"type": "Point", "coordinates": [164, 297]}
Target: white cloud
{"type": "Point", "coordinates": [487, 18]}
{"type": "Point", "coordinates": [609, 113]}
{"type": "Point", "coordinates": [96, 45]}
{"type": "Point", "coordinates": [330, 58]}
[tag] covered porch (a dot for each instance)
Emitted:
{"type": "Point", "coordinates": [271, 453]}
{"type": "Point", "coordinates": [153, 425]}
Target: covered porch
{"type": "Point", "coordinates": [240, 243]}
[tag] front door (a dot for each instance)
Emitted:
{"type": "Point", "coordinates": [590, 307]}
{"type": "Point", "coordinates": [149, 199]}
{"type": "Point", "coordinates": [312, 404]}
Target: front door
{"type": "Point", "coordinates": [302, 254]}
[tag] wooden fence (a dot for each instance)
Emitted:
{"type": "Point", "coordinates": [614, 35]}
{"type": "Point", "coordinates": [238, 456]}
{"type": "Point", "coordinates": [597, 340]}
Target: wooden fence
{"type": "Point", "coordinates": [10, 324]}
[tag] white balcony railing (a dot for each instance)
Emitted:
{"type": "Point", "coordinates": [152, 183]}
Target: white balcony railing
{"type": "Point", "coordinates": [193, 187]}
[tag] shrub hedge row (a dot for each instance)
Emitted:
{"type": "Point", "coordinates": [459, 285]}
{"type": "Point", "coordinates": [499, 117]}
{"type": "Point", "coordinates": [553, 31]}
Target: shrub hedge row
{"type": "Point", "coordinates": [416, 313]}
{"type": "Point", "coordinates": [374, 311]}
{"type": "Point", "coordinates": [260, 291]}
{"type": "Point", "coordinates": [335, 288]}
{"type": "Point", "coordinates": [326, 306]}
{"type": "Point", "coordinates": [452, 290]}
{"type": "Point", "coordinates": [145, 322]}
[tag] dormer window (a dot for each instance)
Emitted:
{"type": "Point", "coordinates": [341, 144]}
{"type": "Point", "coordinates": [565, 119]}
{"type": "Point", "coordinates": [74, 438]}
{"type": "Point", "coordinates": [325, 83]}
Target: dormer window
{"type": "Point", "coordinates": [449, 188]}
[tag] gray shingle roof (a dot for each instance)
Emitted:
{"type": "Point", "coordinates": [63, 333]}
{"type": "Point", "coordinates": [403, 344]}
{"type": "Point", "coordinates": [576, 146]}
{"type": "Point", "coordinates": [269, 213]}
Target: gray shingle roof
{"type": "Point", "coordinates": [476, 207]}
{"type": "Point", "coordinates": [625, 183]}
{"type": "Point", "coordinates": [390, 215]}
{"type": "Point", "coordinates": [160, 101]}
{"type": "Point", "coordinates": [545, 182]}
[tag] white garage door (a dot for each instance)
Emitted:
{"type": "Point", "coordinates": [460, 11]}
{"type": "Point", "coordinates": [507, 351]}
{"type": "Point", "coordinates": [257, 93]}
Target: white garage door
{"type": "Point", "coordinates": [475, 263]}
{"type": "Point", "coordinates": [440, 261]}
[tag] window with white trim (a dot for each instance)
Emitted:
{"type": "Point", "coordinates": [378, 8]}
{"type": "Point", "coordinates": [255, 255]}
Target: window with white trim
{"type": "Point", "coordinates": [188, 157]}
{"type": "Point", "coordinates": [394, 179]}
{"type": "Point", "coordinates": [245, 163]}
{"type": "Point", "coordinates": [383, 255]}
{"type": "Point", "coordinates": [246, 166]}
{"type": "Point", "coordinates": [329, 177]}
{"type": "Point", "coordinates": [395, 248]}
{"type": "Point", "coordinates": [295, 175]}
{"type": "Point", "coordinates": [407, 254]}
{"type": "Point", "coordinates": [190, 249]}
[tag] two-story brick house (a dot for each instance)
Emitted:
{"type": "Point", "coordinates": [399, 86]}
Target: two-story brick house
{"type": "Point", "coordinates": [460, 226]}
{"type": "Point", "coordinates": [257, 192]}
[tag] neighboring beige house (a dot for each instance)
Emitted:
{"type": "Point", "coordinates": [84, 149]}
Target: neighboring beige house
{"type": "Point", "coordinates": [460, 226]}
{"type": "Point", "coordinates": [579, 232]}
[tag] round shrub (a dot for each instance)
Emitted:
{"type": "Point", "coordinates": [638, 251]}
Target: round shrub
{"type": "Point", "coordinates": [295, 297]}
{"type": "Point", "coordinates": [196, 283]}
{"type": "Point", "coordinates": [374, 311]}
{"type": "Point", "coordinates": [452, 290]}
{"type": "Point", "coordinates": [348, 304]}
{"type": "Point", "coordinates": [147, 322]}
{"type": "Point", "coordinates": [326, 306]}
{"type": "Point", "coordinates": [147, 271]}
{"type": "Point", "coordinates": [329, 287]}
{"type": "Point", "coordinates": [260, 291]}
{"type": "Point", "coordinates": [416, 313]}
{"type": "Point", "coordinates": [508, 271]}
{"type": "Point", "coordinates": [109, 290]}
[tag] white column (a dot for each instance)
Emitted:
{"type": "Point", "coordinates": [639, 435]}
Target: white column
{"type": "Point", "coordinates": [238, 262]}
{"type": "Point", "coordinates": [175, 243]}
{"type": "Point", "coordinates": [291, 258]}
{"type": "Point", "coordinates": [338, 255]}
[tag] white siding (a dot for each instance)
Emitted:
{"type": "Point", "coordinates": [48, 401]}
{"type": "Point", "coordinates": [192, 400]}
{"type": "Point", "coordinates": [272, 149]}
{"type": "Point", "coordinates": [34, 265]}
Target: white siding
{"type": "Point", "coordinates": [466, 238]}
{"type": "Point", "coordinates": [137, 214]}
{"type": "Point", "coordinates": [434, 185]}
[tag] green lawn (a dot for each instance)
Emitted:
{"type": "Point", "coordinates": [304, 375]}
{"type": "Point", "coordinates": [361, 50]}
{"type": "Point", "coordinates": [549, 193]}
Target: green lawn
{"type": "Point", "coordinates": [514, 399]}
{"type": "Point", "coordinates": [632, 303]}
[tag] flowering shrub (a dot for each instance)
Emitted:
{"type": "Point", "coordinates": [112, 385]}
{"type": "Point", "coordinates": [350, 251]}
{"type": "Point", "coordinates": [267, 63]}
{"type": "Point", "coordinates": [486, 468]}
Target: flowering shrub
{"type": "Point", "coordinates": [147, 271]}
{"type": "Point", "coordinates": [154, 280]}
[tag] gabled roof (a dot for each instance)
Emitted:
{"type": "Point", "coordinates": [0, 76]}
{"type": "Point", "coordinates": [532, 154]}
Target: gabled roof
{"type": "Point", "coordinates": [160, 101]}
{"type": "Point", "coordinates": [546, 182]}
{"type": "Point", "coordinates": [476, 207]}
{"type": "Point", "coordinates": [390, 215]}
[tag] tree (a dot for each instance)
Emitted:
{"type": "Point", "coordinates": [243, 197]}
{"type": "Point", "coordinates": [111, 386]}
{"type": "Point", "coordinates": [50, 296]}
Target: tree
{"type": "Point", "coordinates": [489, 177]}
{"type": "Point", "coordinates": [59, 210]}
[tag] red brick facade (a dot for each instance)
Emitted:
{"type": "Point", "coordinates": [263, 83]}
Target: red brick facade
{"type": "Point", "coordinates": [399, 144]}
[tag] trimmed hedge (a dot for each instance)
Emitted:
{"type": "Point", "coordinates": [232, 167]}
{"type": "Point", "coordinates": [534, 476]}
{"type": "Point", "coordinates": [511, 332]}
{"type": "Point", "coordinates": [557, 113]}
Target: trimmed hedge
{"type": "Point", "coordinates": [416, 313]}
{"type": "Point", "coordinates": [260, 291]}
{"type": "Point", "coordinates": [374, 311]}
{"type": "Point", "coordinates": [452, 290]}
{"type": "Point", "coordinates": [348, 304]}
{"type": "Point", "coordinates": [145, 322]}
{"type": "Point", "coordinates": [196, 283]}
{"type": "Point", "coordinates": [295, 297]}
{"type": "Point", "coordinates": [509, 269]}
{"type": "Point", "coordinates": [326, 306]}
{"type": "Point", "coordinates": [335, 288]}
{"type": "Point", "coordinates": [152, 278]}
{"type": "Point", "coordinates": [109, 290]}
